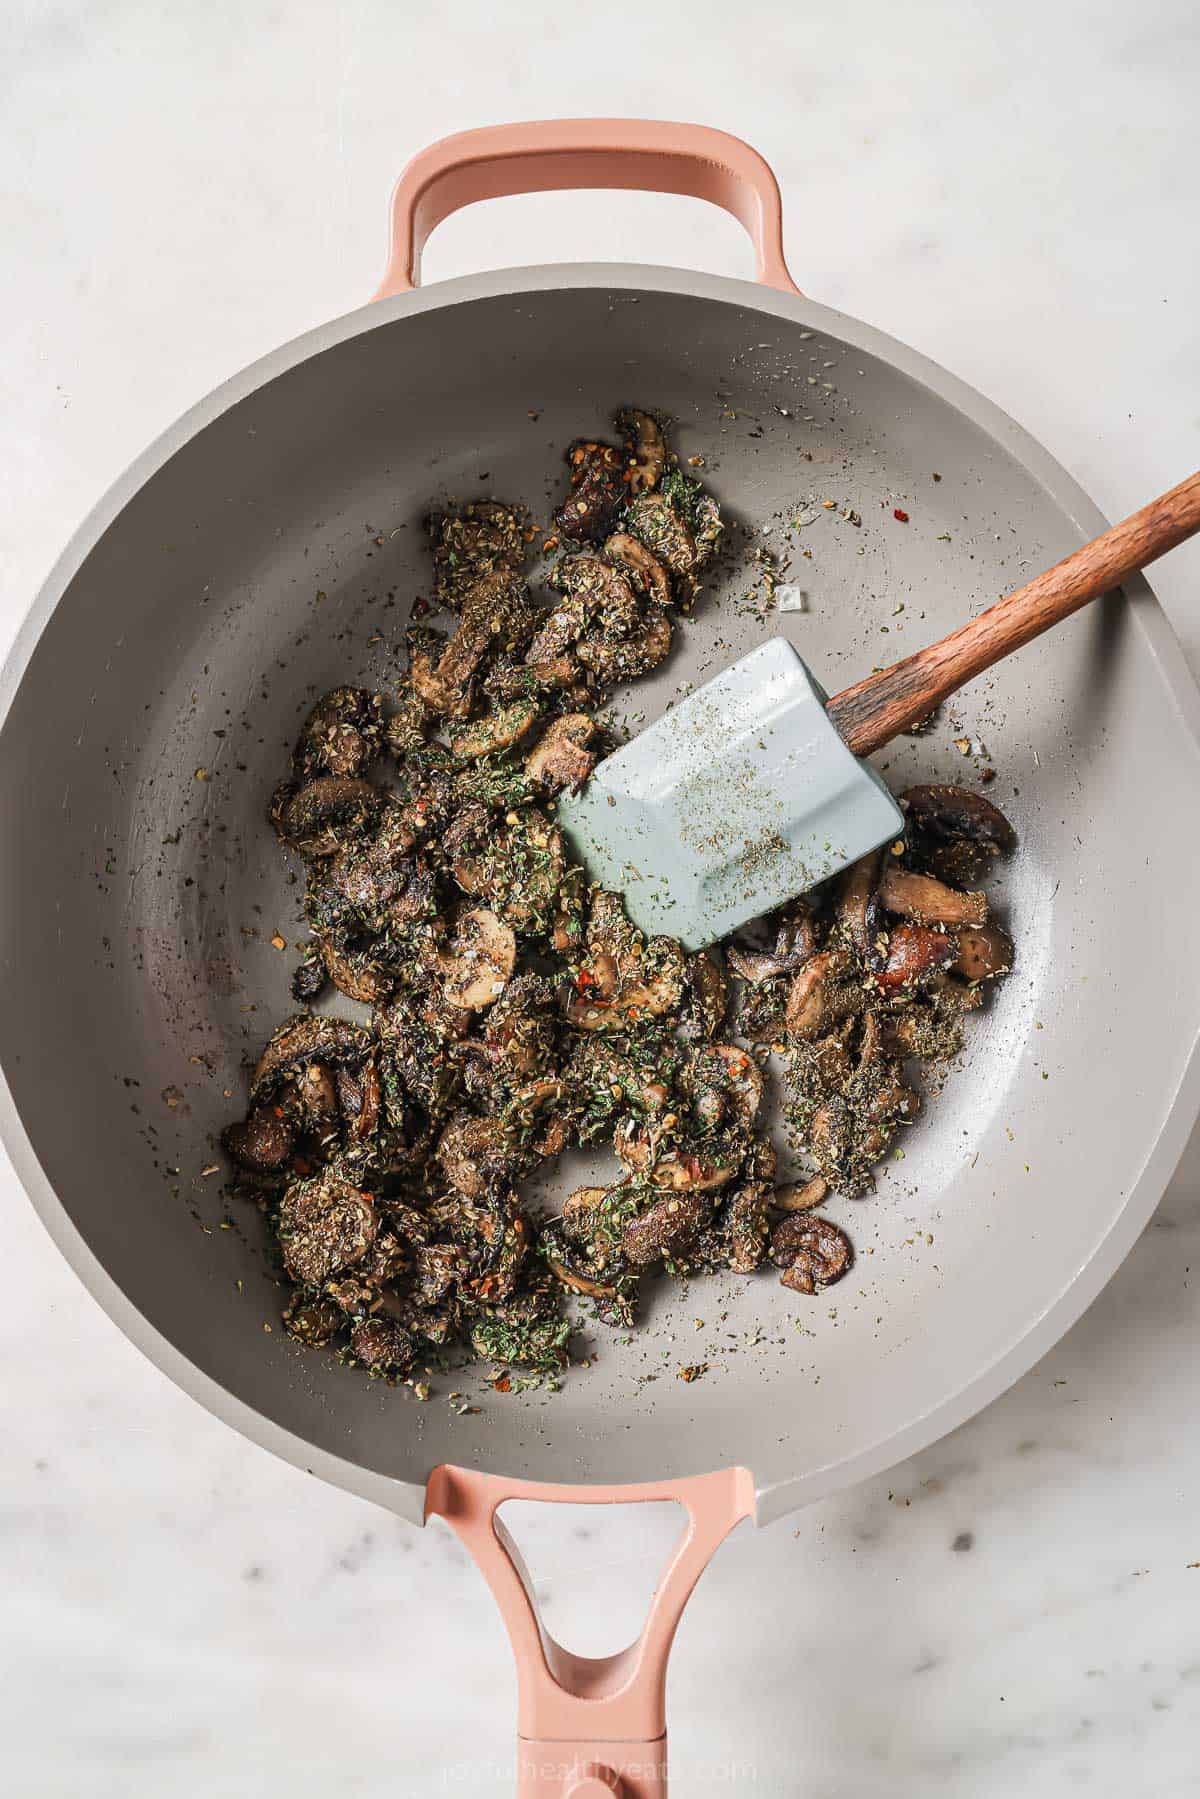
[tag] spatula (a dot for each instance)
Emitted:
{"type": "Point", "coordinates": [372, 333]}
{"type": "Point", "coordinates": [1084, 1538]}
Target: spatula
{"type": "Point", "coordinates": [751, 790]}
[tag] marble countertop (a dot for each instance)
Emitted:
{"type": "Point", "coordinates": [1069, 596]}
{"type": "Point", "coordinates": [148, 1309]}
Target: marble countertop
{"type": "Point", "coordinates": [1009, 189]}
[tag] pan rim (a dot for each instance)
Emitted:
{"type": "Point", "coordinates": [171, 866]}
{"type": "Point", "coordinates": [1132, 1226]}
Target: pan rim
{"type": "Point", "coordinates": [1104, 1256]}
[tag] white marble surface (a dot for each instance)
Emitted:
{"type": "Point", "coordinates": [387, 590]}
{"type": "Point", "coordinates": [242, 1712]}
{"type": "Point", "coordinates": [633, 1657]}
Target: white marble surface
{"type": "Point", "coordinates": [1011, 188]}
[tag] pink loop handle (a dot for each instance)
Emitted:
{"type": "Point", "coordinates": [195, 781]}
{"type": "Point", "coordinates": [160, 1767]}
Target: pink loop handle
{"type": "Point", "coordinates": [648, 155]}
{"type": "Point", "coordinates": [583, 1720]}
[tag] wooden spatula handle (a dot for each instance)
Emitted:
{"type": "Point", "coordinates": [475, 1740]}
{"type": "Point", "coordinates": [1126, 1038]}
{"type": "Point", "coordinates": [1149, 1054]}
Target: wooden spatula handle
{"type": "Point", "coordinates": [875, 710]}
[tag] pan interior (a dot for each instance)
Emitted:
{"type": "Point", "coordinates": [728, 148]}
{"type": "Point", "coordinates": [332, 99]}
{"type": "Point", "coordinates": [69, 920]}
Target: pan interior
{"type": "Point", "coordinates": [277, 553]}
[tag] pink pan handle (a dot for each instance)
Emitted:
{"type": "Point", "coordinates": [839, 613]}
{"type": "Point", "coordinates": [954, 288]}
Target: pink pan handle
{"type": "Point", "coordinates": [646, 154]}
{"type": "Point", "coordinates": [589, 1727]}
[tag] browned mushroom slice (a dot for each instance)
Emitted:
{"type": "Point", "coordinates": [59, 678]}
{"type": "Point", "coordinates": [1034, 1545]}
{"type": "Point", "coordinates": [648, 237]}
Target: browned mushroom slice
{"type": "Point", "coordinates": [648, 572]}
{"type": "Point", "coordinates": [814, 1252]}
{"type": "Point", "coordinates": [325, 1225]}
{"type": "Point", "coordinates": [579, 1283]}
{"type": "Point", "coordinates": [746, 1226]}
{"type": "Point", "coordinates": [614, 659]}
{"type": "Point", "coordinates": [645, 446]}
{"type": "Point", "coordinates": [983, 952]}
{"type": "Point", "coordinates": [579, 1205]}
{"type": "Point", "coordinates": [947, 812]}
{"type": "Point", "coordinates": [356, 975]}
{"type": "Point", "coordinates": [382, 1345]}
{"type": "Point", "coordinates": [654, 521]}
{"type": "Point", "coordinates": [359, 1095]}
{"type": "Point", "coordinates": [697, 1169]}
{"type": "Point", "coordinates": [728, 1083]}
{"type": "Point", "coordinates": [473, 1153]}
{"type": "Point", "coordinates": [754, 965]}
{"type": "Point", "coordinates": [407, 729]}
{"type": "Point", "coordinates": [597, 491]}
{"type": "Point", "coordinates": [261, 1143]}
{"type": "Point", "coordinates": [496, 618]}
{"type": "Point", "coordinates": [316, 1096]}
{"type": "Point", "coordinates": [304, 1039]}
{"type": "Point", "coordinates": [341, 734]}
{"type": "Point", "coordinates": [480, 960]}
{"type": "Point", "coordinates": [824, 992]}
{"type": "Point", "coordinates": [312, 1322]}
{"type": "Point", "coordinates": [485, 536]}
{"type": "Point", "coordinates": [374, 886]}
{"type": "Point", "coordinates": [667, 1228]}
{"type": "Point", "coordinates": [914, 954]}
{"type": "Point", "coordinates": [496, 731]}
{"type": "Point", "coordinates": [549, 674]}
{"type": "Point", "coordinates": [928, 901]}
{"type": "Point", "coordinates": [437, 694]}
{"type": "Point", "coordinates": [706, 996]}
{"type": "Point", "coordinates": [858, 905]}
{"type": "Point", "coordinates": [326, 813]}
{"type": "Point", "coordinates": [800, 1196]}
{"type": "Point", "coordinates": [561, 757]}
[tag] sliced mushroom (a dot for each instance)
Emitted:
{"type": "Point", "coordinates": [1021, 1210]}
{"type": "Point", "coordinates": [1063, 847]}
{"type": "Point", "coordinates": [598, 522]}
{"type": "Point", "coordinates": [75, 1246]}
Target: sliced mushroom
{"type": "Point", "coordinates": [648, 572]}
{"type": "Point", "coordinates": [357, 975]}
{"type": "Point", "coordinates": [755, 965]}
{"type": "Point", "coordinates": [482, 538]}
{"type": "Point", "coordinates": [496, 617]}
{"type": "Point", "coordinates": [383, 1345]}
{"type": "Point", "coordinates": [858, 905]}
{"type": "Point", "coordinates": [305, 1039]}
{"type": "Point", "coordinates": [406, 730]}
{"type": "Point", "coordinates": [316, 1096]}
{"type": "Point", "coordinates": [480, 960]}
{"type": "Point", "coordinates": [579, 1283]}
{"type": "Point", "coordinates": [654, 521]}
{"type": "Point", "coordinates": [730, 1075]}
{"type": "Point", "coordinates": [666, 1228]}
{"type": "Point", "coordinates": [373, 887]}
{"type": "Point", "coordinates": [341, 734]}
{"type": "Point", "coordinates": [579, 1205]}
{"type": "Point", "coordinates": [614, 659]}
{"type": "Point", "coordinates": [697, 1169]}
{"type": "Point", "coordinates": [261, 1143]}
{"type": "Point", "coordinates": [814, 1252]}
{"type": "Point", "coordinates": [646, 447]}
{"type": "Point", "coordinates": [473, 1153]}
{"type": "Point", "coordinates": [600, 592]}
{"type": "Point", "coordinates": [325, 1225]}
{"type": "Point", "coordinates": [915, 953]}
{"type": "Point", "coordinates": [747, 1227]}
{"type": "Point", "coordinates": [928, 901]}
{"type": "Point", "coordinates": [983, 952]}
{"type": "Point", "coordinates": [706, 996]}
{"type": "Point", "coordinates": [623, 976]}
{"type": "Point", "coordinates": [312, 1322]}
{"type": "Point", "coordinates": [947, 812]}
{"type": "Point", "coordinates": [496, 731]}
{"type": "Point", "coordinates": [561, 757]}
{"type": "Point", "coordinates": [597, 491]}
{"type": "Point", "coordinates": [824, 992]}
{"type": "Point", "coordinates": [359, 1096]}
{"type": "Point", "coordinates": [326, 813]}
{"type": "Point", "coordinates": [800, 1196]}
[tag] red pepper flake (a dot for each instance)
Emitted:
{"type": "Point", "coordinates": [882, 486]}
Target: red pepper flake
{"type": "Point", "coordinates": [503, 1385]}
{"type": "Point", "coordinates": [899, 513]}
{"type": "Point", "coordinates": [584, 980]}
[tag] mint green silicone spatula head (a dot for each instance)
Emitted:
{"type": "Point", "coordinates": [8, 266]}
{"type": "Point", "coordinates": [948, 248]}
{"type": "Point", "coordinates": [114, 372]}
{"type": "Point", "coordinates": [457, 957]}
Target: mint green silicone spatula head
{"type": "Point", "coordinates": [738, 798]}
